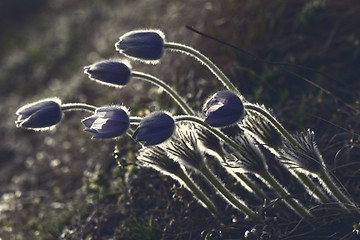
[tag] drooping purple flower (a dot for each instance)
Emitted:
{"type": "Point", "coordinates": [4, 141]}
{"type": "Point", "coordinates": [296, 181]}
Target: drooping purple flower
{"type": "Point", "coordinates": [224, 108]}
{"type": "Point", "coordinates": [145, 45]}
{"type": "Point", "coordinates": [107, 122]}
{"type": "Point", "coordinates": [154, 129]}
{"type": "Point", "coordinates": [110, 72]}
{"type": "Point", "coordinates": [40, 115]}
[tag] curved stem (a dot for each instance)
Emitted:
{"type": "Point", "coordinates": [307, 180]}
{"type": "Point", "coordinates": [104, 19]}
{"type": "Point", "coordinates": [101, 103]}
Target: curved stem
{"type": "Point", "coordinates": [340, 196]}
{"type": "Point", "coordinates": [228, 195]}
{"type": "Point", "coordinates": [280, 190]}
{"type": "Point", "coordinates": [204, 60]}
{"type": "Point", "coordinates": [270, 118]}
{"type": "Point", "coordinates": [77, 106]}
{"type": "Point", "coordinates": [167, 89]}
{"type": "Point", "coordinates": [253, 186]}
{"type": "Point", "coordinates": [312, 187]}
{"type": "Point", "coordinates": [197, 192]}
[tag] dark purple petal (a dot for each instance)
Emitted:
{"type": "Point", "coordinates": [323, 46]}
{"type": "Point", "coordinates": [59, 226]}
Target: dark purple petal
{"type": "Point", "coordinates": [154, 129]}
{"type": "Point", "coordinates": [142, 45]}
{"type": "Point", "coordinates": [42, 114]}
{"type": "Point", "coordinates": [223, 109]}
{"type": "Point", "coordinates": [107, 122]}
{"type": "Point", "coordinates": [110, 72]}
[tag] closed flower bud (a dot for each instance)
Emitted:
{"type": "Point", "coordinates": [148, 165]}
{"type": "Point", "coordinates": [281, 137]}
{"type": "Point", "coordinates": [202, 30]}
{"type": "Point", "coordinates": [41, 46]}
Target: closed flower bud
{"type": "Point", "coordinates": [145, 45]}
{"type": "Point", "coordinates": [40, 115]}
{"type": "Point", "coordinates": [154, 129]}
{"type": "Point", "coordinates": [110, 72]}
{"type": "Point", "coordinates": [107, 122]}
{"type": "Point", "coordinates": [224, 108]}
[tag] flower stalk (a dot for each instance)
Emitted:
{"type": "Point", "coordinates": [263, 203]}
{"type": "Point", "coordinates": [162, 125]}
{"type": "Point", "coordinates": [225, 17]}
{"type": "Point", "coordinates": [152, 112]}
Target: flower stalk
{"type": "Point", "coordinates": [228, 195]}
{"type": "Point", "coordinates": [174, 95]}
{"type": "Point", "coordinates": [77, 106]}
{"type": "Point", "coordinates": [280, 190]}
{"type": "Point", "coordinates": [197, 192]}
{"type": "Point", "coordinates": [204, 60]}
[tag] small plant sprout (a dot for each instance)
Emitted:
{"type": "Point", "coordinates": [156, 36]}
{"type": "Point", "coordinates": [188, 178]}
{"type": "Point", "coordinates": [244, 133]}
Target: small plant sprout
{"type": "Point", "coordinates": [107, 122]}
{"type": "Point", "coordinates": [40, 115]}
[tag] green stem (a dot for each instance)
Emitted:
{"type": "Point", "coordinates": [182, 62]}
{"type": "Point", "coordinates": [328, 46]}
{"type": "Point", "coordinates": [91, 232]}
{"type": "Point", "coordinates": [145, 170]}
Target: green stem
{"type": "Point", "coordinates": [312, 187]}
{"type": "Point", "coordinates": [280, 190]}
{"type": "Point", "coordinates": [204, 60]}
{"type": "Point", "coordinates": [270, 118]}
{"type": "Point", "coordinates": [344, 200]}
{"type": "Point", "coordinates": [77, 106]}
{"type": "Point", "coordinates": [228, 195]}
{"type": "Point", "coordinates": [253, 186]}
{"type": "Point", "coordinates": [197, 192]}
{"type": "Point", "coordinates": [166, 88]}
{"type": "Point", "coordinates": [135, 120]}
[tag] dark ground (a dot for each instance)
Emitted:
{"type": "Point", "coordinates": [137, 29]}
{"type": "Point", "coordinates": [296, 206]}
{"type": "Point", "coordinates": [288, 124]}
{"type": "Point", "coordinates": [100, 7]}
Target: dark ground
{"type": "Point", "coordinates": [62, 185]}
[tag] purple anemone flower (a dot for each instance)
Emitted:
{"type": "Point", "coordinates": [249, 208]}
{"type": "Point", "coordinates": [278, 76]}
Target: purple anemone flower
{"type": "Point", "coordinates": [40, 115]}
{"type": "Point", "coordinates": [107, 122]}
{"type": "Point", "coordinates": [222, 109]}
{"type": "Point", "coordinates": [154, 129]}
{"type": "Point", "coordinates": [145, 45]}
{"type": "Point", "coordinates": [110, 72]}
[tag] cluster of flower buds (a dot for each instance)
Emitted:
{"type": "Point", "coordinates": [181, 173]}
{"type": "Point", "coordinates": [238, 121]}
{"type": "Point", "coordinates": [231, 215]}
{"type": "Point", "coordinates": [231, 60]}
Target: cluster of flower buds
{"type": "Point", "coordinates": [184, 147]}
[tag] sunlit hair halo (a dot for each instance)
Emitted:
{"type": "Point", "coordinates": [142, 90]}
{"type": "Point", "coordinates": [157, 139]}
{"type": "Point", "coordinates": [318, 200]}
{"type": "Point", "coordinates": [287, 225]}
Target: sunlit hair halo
{"type": "Point", "coordinates": [177, 145]}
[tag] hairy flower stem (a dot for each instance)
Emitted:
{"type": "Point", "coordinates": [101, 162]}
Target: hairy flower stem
{"type": "Point", "coordinates": [260, 193]}
{"type": "Point", "coordinates": [77, 106]}
{"type": "Point", "coordinates": [339, 195]}
{"type": "Point", "coordinates": [299, 209]}
{"type": "Point", "coordinates": [204, 60]}
{"type": "Point", "coordinates": [197, 192]}
{"type": "Point", "coordinates": [312, 187]}
{"type": "Point", "coordinates": [262, 112]}
{"type": "Point", "coordinates": [254, 187]}
{"type": "Point", "coordinates": [305, 179]}
{"type": "Point", "coordinates": [228, 195]}
{"type": "Point", "coordinates": [173, 94]}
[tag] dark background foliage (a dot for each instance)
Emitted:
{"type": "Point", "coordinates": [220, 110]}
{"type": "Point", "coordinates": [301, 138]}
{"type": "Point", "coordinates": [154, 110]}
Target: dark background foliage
{"type": "Point", "coordinates": [60, 184]}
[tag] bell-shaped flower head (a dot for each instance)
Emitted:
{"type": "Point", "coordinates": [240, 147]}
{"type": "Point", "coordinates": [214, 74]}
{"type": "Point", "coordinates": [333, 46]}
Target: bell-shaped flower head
{"type": "Point", "coordinates": [222, 109]}
{"type": "Point", "coordinates": [107, 122]}
{"type": "Point", "coordinates": [143, 45]}
{"type": "Point", "coordinates": [114, 73]}
{"type": "Point", "coordinates": [40, 115]}
{"type": "Point", "coordinates": [154, 129]}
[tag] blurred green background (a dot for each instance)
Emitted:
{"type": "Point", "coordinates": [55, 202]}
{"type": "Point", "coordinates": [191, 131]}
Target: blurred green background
{"type": "Point", "coordinates": [62, 185]}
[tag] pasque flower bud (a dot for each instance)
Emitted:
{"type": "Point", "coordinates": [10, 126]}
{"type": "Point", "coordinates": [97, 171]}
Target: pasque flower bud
{"type": "Point", "coordinates": [222, 109]}
{"type": "Point", "coordinates": [107, 122]}
{"type": "Point", "coordinates": [155, 128]}
{"type": "Point", "coordinates": [146, 45]}
{"type": "Point", "coordinates": [110, 72]}
{"type": "Point", "coordinates": [40, 115]}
